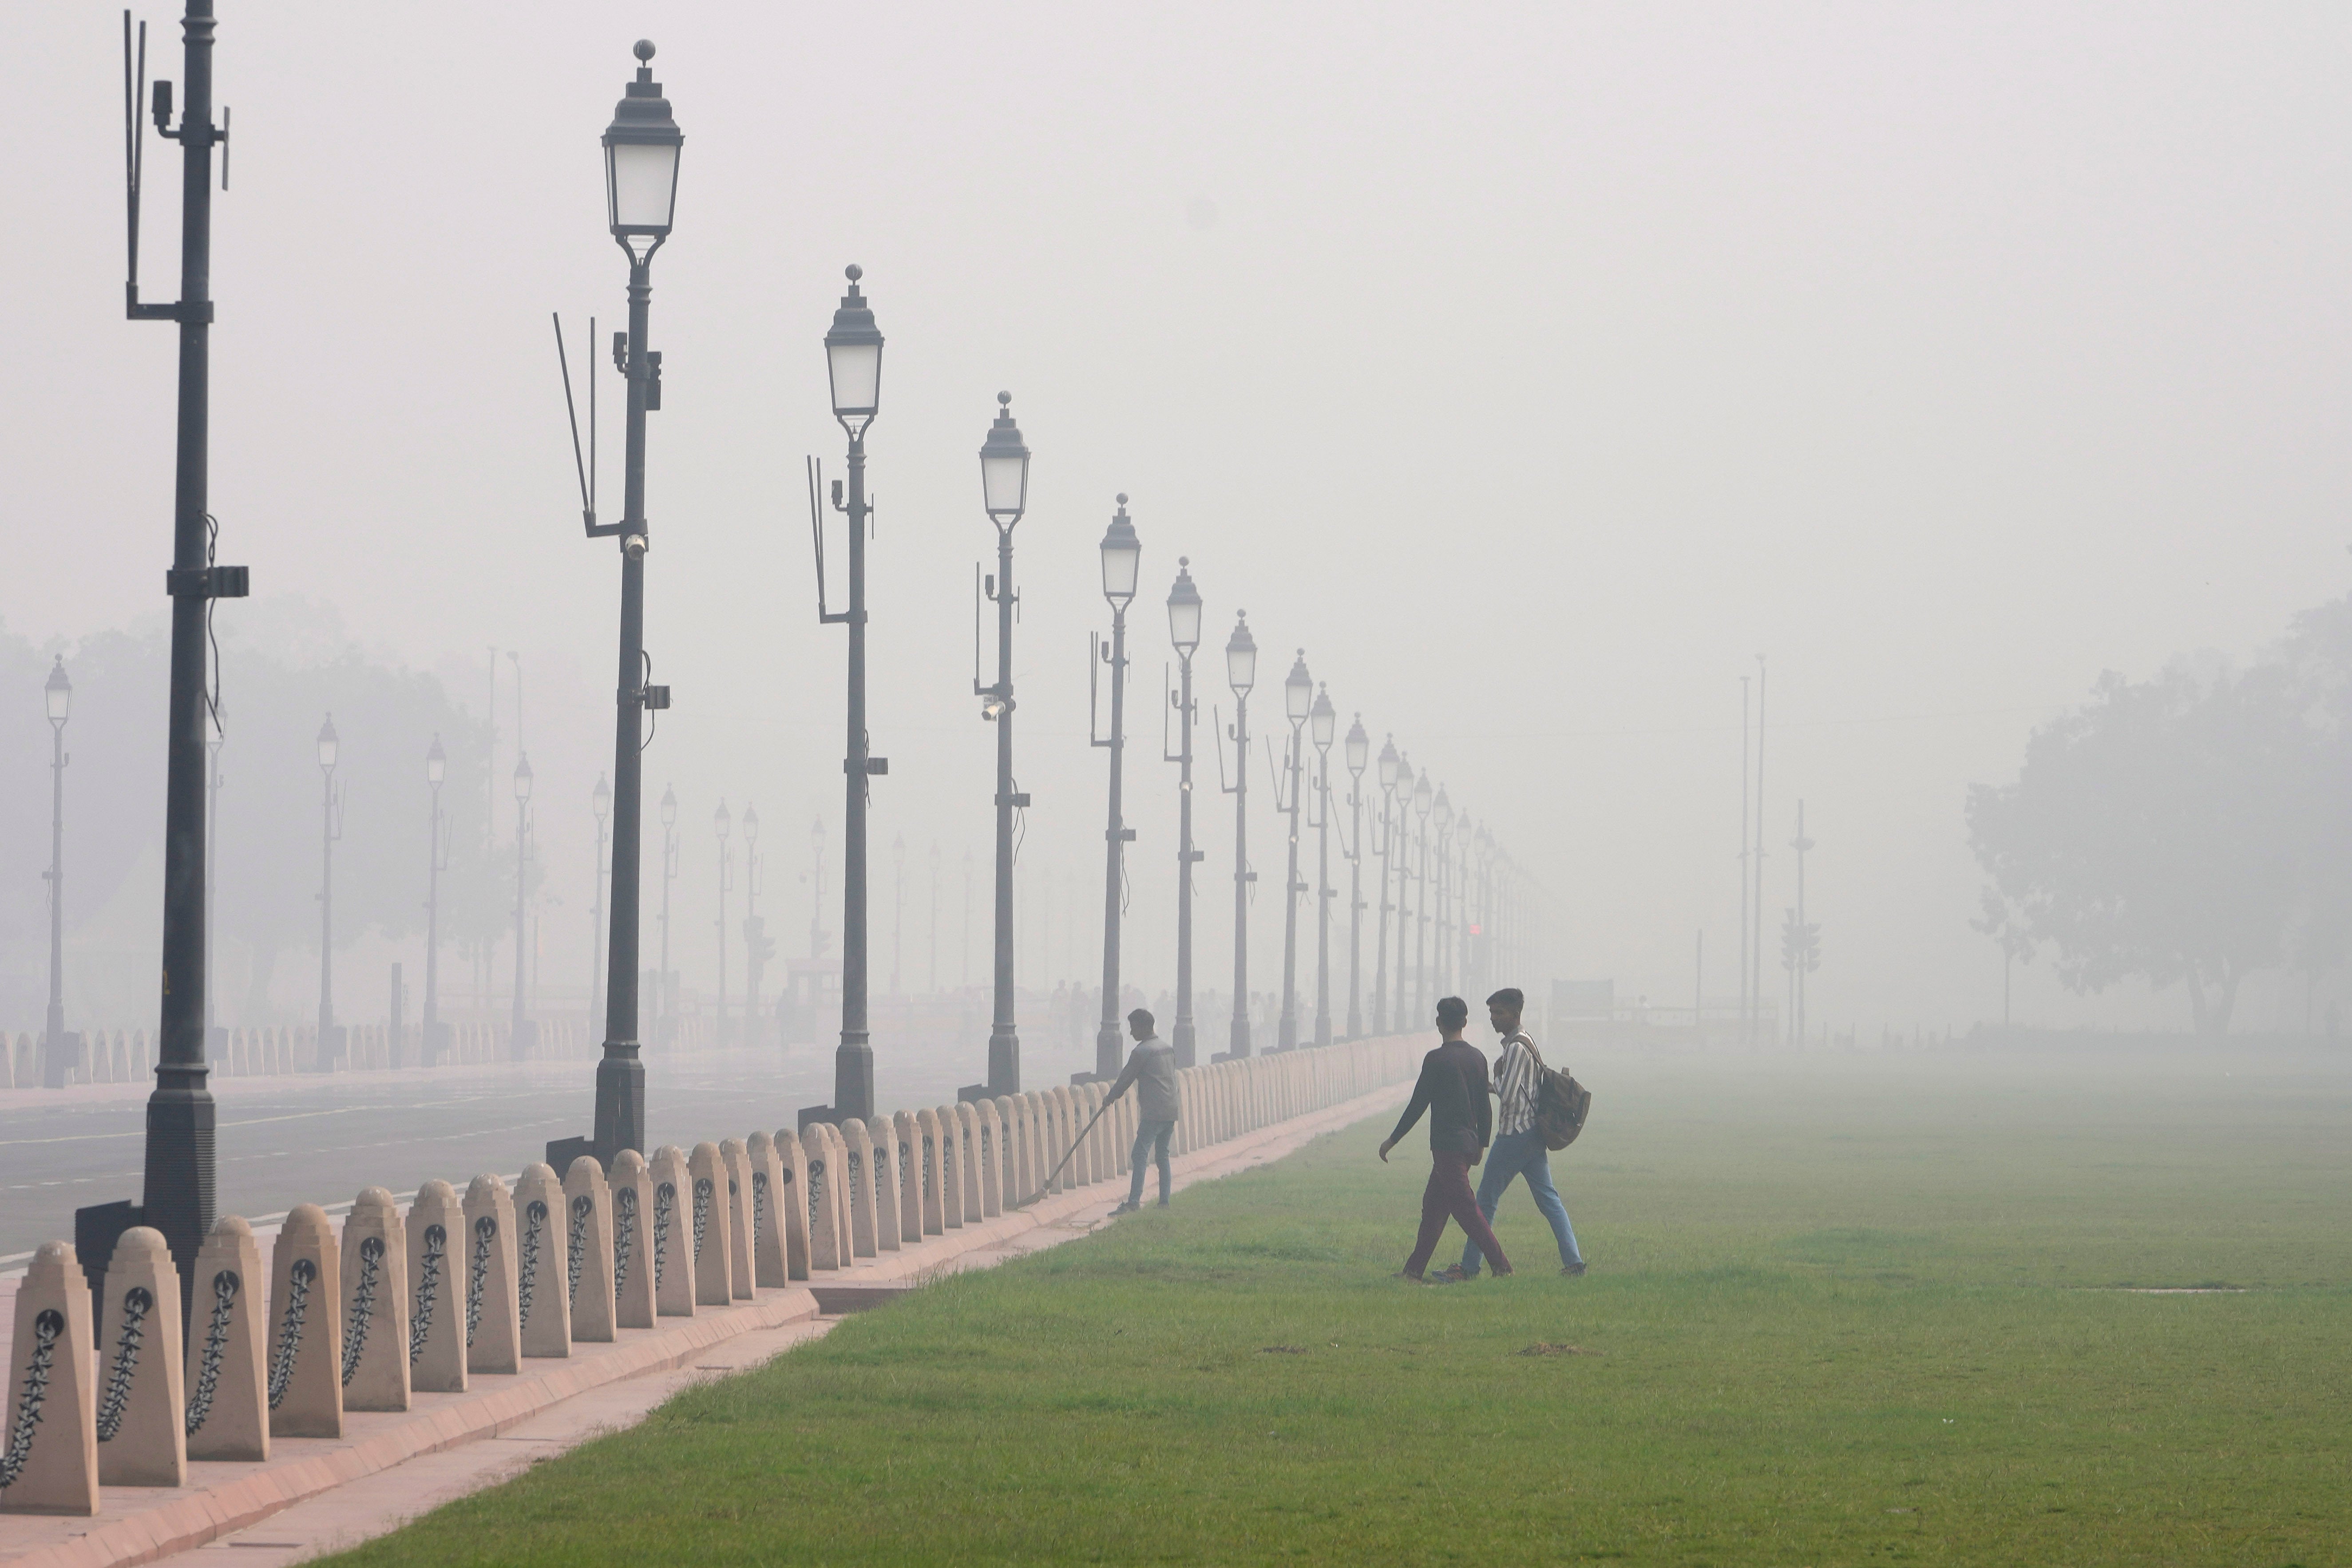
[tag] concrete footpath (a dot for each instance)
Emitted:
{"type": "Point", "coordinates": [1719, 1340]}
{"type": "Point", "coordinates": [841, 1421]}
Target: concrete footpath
{"type": "Point", "coordinates": [315, 1496]}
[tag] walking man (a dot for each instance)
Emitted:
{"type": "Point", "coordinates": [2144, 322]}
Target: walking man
{"type": "Point", "coordinates": [1518, 1148]}
{"type": "Point", "coordinates": [1453, 1089]}
{"type": "Point", "coordinates": [1151, 1069]}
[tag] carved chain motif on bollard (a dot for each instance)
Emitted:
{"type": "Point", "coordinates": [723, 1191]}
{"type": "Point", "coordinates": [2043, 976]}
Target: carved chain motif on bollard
{"type": "Point", "coordinates": [47, 1328]}
{"type": "Point", "coordinates": [486, 1232]}
{"type": "Point", "coordinates": [702, 1195]}
{"type": "Point", "coordinates": [816, 1189]}
{"type": "Point", "coordinates": [665, 1204]}
{"type": "Point", "coordinates": [428, 1289]}
{"type": "Point", "coordinates": [298, 1299]}
{"type": "Point", "coordinates": [200, 1398]}
{"type": "Point", "coordinates": [575, 1247]}
{"type": "Point", "coordinates": [136, 1305]}
{"type": "Point", "coordinates": [624, 1233]}
{"type": "Point", "coordinates": [355, 1332]}
{"type": "Point", "coordinates": [534, 1222]}
{"type": "Point", "coordinates": [759, 1204]}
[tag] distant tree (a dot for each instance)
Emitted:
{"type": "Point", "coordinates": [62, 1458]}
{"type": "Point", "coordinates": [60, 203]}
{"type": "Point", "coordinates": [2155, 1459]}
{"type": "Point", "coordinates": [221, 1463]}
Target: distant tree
{"type": "Point", "coordinates": [2167, 829]}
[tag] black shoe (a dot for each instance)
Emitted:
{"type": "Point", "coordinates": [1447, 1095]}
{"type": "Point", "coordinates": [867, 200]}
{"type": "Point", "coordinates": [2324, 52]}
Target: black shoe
{"type": "Point", "coordinates": [1128, 1208]}
{"type": "Point", "coordinates": [1454, 1275]}
{"type": "Point", "coordinates": [1573, 1270]}
{"type": "Point", "coordinates": [1163, 1203]}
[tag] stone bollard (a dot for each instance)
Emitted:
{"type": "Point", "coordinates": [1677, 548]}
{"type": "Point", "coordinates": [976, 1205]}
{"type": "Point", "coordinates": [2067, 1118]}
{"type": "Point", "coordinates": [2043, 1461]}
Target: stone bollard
{"type": "Point", "coordinates": [910, 1136]}
{"type": "Point", "coordinates": [844, 1190]}
{"type": "Point", "coordinates": [737, 1159]}
{"type": "Point", "coordinates": [588, 1251]}
{"type": "Point", "coordinates": [669, 1239]}
{"type": "Point", "coordinates": [934, 1147]}
{"type": "Point", "coordinates": [1013, 1153]}
{"type": "Point", "coordinates": [792, 1201]}
{"type": "Point", "coordinates": [542, 1264]}
{"type": "Point", "coordinates": [1039, 1111]}
{"type": "Point", "coordinates": [823, 1175]}
{"type": "Point", "coordinates": [374, 1371]}
{"type": "Point", "coordinates": [981, 1164]}
{"type": "Point", "coordinates": [884, 1172]}
{"type": "Point", "coordinates": [858, 1181]}
{"type": "Point", "coordinates": [306, 1328]}
{"type": "Point", "coordinates": [952, 1173]}
{"type": "Point", "coordinates": [436, 1280]}
{"type": "Point", "coordinates": [493, 1314]}
{"type": "Point", "coordinates": [634, 1270]}
{"type": "Point", "coordinates": [49, 1464]}
{"type": "Point", "coordinates": [711, 1227]}
{"type": "Point", "coordinates": [228, 1409]}
{"type": "Point", "coordinates": [770, 1254]}
{"type": "Point", "coordinates": [142, 1416]}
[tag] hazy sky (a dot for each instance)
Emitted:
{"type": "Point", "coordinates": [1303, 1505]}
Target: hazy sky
{"type": "Point", "coordinates": [1533, 367]}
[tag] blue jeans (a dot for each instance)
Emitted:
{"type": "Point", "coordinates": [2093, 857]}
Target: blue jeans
{"type": "Point", "coordinates": [1147, 1135]}
{"type": "Point", "coordinates": [1523, 1155]}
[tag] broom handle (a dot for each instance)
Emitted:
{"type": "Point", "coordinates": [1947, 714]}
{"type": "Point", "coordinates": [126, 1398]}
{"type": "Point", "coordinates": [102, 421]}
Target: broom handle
{"type": "Point", "coordinates": [1072, 1149]}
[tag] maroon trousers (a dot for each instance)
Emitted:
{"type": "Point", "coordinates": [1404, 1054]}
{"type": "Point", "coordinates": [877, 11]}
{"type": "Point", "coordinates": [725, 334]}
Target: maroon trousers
{"type": "Point", "coordinates": [1449, 1193]}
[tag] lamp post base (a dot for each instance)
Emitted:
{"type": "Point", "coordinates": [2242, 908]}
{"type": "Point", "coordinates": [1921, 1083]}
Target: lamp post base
{"type": "Point", "coordinates": [620, 1111]}
{"type": "Point", "coordinates": [1183, 1039]}
{"type": "Point", "coordinates": [852, 1079]}
{"type": "Point", "coordinates": [1004, 1062]}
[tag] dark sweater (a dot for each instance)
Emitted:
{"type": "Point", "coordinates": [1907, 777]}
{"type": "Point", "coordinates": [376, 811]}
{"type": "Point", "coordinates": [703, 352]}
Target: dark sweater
{"type": "Point", "coordinates": [1453, 1089]}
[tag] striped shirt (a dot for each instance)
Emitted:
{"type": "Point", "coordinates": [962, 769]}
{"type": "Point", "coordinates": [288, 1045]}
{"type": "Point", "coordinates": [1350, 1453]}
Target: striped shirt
{"type": "Point", "coordinates": [1515, 1083]}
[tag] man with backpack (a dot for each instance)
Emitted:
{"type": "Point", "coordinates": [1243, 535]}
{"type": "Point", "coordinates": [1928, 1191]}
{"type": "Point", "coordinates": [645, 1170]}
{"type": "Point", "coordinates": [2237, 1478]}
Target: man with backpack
{"type": "Point", "coordinates": [1453, 1089]}
{"type": "Point", "coordinates": [1518, 1148]}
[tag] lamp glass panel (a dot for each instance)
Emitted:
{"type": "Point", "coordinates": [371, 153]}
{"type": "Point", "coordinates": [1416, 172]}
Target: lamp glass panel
{"type": "Point", "coordinates": [523, 781]}
{"type": "Point", "coordinates": [1120, 563]}
{"type": "Point", "coordinates": [1241, 666]}
{"type": "Point", "coordinates": [1298, 693]}
{"type": "Point", "coordinates": [856, 371]}
{"type": "Point", "coordinates": [437, 766]}
{"type": "Point", "coordinates": [1184, 624]}
{"type": "Point", "coordinates": [1004, 485]}
{"type": "Point", "coordinates": [327, 747]}
{"type": "Point", "coordinates": [642, 181]}
{"type": "Point", "coordinates": [1323, 722]}
{"type": "Point", "coordinates": [1359, 748]}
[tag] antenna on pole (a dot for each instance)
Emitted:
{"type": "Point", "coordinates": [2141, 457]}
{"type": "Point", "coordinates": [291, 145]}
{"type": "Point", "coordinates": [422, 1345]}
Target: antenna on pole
{"type": "Point", "coordinates": [134, 145]}
{"type": "Point", "coordinates": [583, 468]}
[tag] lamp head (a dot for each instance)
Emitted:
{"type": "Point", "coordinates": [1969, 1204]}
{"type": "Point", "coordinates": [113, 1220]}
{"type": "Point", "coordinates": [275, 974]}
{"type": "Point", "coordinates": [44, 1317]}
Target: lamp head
{"type": "Point", "coordinates": [328, 744]}
{"type": "Point", "coordinates": [1004, 468]}
{"type": "Point", "coordinates": [1297, 690]}
{"type": "Point", "coordinates": [522, 779]}
{"type": "Point", "coordinates": [722, 822]}
{"type": "Point", "coordinates": [641, 149]}
{"type": "Point", "coordinates": [600, 799]}
{"type": "Point", "coordinates": [1241, 656]}
{"type": "Point", "coordinates": [1360, 747]}
{"type": "Point", "coordinates": [751, 823]}
{"type": "Point", "coordinates": [1184, 611]}
{"type": "Point", "coordinates": [1422, 797]}
{"type": "Point", "coordinates": [59, 691]}
{"type": "Point", "coordinates": [437, 764]}
{"type": "Point", "coordinates": [852, 358]}
{"type": "Point", "coordinates": [1389, 762]}
{"type": "Point", "coordinates": [669, 806]}
{"type": "Point", "coordinates": [1322, 720]}
{"type": "Point", "coordinates": [1122, 555]}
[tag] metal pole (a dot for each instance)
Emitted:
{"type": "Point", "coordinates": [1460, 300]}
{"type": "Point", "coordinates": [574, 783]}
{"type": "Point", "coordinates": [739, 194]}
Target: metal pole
{"type": "Point", "coordinates": [432, 939]}
{"type": "Point", "coordinates": [666, 1012]}
{"type": "Point", "coordinates": [1380, 948]}
{"type": "Point", "coordinates": [1286, 1028]}
{"type": "Point", "coordinates": [211, 850]}
{"type": "Point", "coordinates": [853, 1062]}
{"type": "Point", "coordinates": [1184, 1040]}
{"type": "Point", "coordinates": [595, 931]}
{"type": "Point", "coordinates": [327, 924]}
{"type": "Point", "coordinates": [1107, 1035]}
{"type": "Point", "coordinates": [1420, 926]}
{"type": "Point", "coordinates": [1356, 907]}
{"type": "Point", "coordinates": [1240, 1039]}
{"type": "Point", "coordinates": [518, 1042]}
{"type": "Point", "coordinates": [1004, 1034]}
{"type": "Point", "coordinates": [53, 1043]}
{"type": "Point", "coordinates": [1323, 895]}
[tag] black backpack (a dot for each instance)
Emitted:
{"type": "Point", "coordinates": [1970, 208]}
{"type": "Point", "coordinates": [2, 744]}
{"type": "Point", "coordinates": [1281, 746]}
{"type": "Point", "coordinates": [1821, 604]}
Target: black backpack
{"type": "Point", "coordinates": [1561, 1103]}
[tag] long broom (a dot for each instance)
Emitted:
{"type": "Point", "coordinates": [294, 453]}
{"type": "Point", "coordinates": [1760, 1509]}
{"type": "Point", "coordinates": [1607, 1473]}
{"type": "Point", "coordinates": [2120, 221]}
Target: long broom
{"type": "Point", "coordinates": [1065, 1159]}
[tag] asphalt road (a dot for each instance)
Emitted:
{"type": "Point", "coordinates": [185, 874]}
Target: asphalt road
{"type": "Point", "coordinates": [284, 1140]}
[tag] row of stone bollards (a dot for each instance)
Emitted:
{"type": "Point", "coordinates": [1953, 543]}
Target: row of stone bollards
{"type": "Point", "coordinates": [399, 1304]}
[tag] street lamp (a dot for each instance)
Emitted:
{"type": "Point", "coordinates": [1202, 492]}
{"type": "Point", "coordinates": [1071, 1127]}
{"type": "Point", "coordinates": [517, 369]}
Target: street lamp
{"type": "Point", "coordinates": [1241, 674]}
{"type": "Point", "coordinates": [1360, 750]}
{"type": "Point", "coordinates": [436, 772]}
{"type": "Point", "coordinates": [1297, 700]}
{"type": "Point", "coordinates": [723, 823]}
{"type": "Point", "coordinates": [1322, 723]}
{"type": "Point", "coordinates": [641, 156]}
{"type": "Point", "coordinates": [1423, 794]}
{"type": "Point", "coordinates": [1004, 495]}
{"type": "Point", "coordinates": [852, 360]}
{"type": "Point", "coordinates": [331, 829]}
{"type": "Point", "coordinates": [1122, 557]}
{"type": "Point", "coordinates": [520, 1043]}
{"type": "Point", "coordinates": [665, 1005]}
{"type": "Point", "coordinates": [1441, 813]}
{"type": "Point", "coordinates": [753, 931]}
{"type": "Point", "coordinates": [599, 801]}
{"type": "Point", "coordinates": [1184, 632]}
{"type": "Point", "coordinates": [1392, 766]}
{"type": "Point", "coordinates": [54, 1050]}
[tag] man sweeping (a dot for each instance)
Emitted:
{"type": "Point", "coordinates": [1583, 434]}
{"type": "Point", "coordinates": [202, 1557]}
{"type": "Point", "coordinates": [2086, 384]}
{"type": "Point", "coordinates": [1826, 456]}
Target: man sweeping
{"type": "Point", "coordinates": [1453, 1089]}
{"type": "Point", "coordinates": [1151, 1069]}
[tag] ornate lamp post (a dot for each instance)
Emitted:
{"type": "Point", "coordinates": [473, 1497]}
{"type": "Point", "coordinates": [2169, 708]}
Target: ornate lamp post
{"type": "Point", "coordinates": [1005, 494]}
{"type": "Point", "coordinates": [1422, 795]}
{"type": "Point", "coordinates": [1390, 763]}
{"type": "Point", "coordinates": [54, 1050]}
{"type": "Point", "coordinates": [722, 822]}
{"type": "Point", "coordinates": [436, 772]}
{"type": "Point", "coordinates": [1322, 720]}
{"type": "Point", "coordinates": [330, 828]}
{"type": "Point", "coordinates": [519, 1041]}
{"type": "Point", "coordinates": [1241, 674]}
{"type": "Point", "coordinates": [1122, 556]}
{"type": "Point", "coordinates": [1360, 751]}
{"type": "Point", "coordinates": [754, 930]}
{"type": "Point", "coordinates": [852, 358]}
{"type": "Point", "coordinates": [641, 156]}
{"type": "Point", "coordinates": [1298, 698]}
{"type": "Point", "coordinates": [599, 801]}
{"type": "Point", "coordinates": [1184, 631]}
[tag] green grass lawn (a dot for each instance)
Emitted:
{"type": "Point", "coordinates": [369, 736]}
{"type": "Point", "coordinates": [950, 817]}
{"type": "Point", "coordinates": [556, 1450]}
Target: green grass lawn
{"type": "Point", "coordinates": [1840, 1310]}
